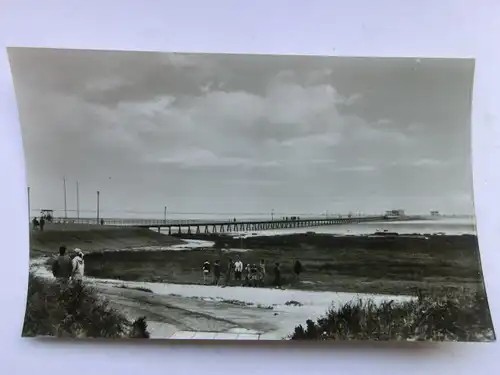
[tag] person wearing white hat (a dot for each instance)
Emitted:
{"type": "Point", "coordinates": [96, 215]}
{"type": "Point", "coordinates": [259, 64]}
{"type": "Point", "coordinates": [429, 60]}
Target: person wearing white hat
{"type": "Point", "coordinates": [78, 265]}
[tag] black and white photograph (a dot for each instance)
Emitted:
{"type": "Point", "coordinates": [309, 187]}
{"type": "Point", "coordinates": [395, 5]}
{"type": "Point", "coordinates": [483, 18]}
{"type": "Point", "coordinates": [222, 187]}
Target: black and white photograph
{"type": "Point", "coordinates": [202, 196]}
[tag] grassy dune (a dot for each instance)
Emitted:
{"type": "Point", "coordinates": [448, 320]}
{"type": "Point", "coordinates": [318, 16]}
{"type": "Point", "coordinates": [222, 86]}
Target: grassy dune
{"type": "Point", "coordinates": [74, 310]}
{"type": "Point", "coordinates": [94, 238]}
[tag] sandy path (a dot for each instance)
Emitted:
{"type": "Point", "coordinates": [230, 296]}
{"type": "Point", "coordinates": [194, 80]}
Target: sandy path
{"type": "Point", "coordinates": [173, 313]}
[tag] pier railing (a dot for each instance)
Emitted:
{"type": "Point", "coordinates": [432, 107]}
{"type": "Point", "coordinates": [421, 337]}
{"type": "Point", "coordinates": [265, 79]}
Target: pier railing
{"type": "Point", "coordinates": [172, 222]}
{"type": "Point", "coordinates": [124, 222]}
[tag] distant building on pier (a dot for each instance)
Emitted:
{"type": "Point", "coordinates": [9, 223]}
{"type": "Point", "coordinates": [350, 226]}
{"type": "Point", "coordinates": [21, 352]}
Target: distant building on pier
{"type": "Point", "coordinates": [435, 213]}
{"type": "Point", "coordinates": [395, 213]}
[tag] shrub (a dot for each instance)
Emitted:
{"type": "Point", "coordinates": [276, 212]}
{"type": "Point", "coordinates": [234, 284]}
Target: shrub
{"type": "Point", "coordinates": [451, 317]}
{"type": "Point", "coordinates": [71, 309]}
{"type": "Point", "coordinates": [139, 329]}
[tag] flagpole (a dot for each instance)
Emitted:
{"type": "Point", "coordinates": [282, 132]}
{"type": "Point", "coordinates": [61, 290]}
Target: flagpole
{"type": "Point", "coordinates": [65, 201]}
{"type": "Point", "coordinates": [98, 207]}
{"type": "Point", "coordinates": [77, 201]}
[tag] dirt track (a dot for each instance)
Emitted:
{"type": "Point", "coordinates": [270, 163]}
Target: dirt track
{"type": "Point", "coordinates": [176, 313]}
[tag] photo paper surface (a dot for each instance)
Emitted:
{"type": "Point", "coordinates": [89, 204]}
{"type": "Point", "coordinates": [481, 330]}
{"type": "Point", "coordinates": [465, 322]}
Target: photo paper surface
{"type": "Point", "coordinates": [249, 197]}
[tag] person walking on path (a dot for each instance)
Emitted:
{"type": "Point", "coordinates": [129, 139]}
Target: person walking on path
{"type": "Point", "coordinates": [206, 271]}
{"type": "Point", "coordinates": [62, 267]}
{"type": "Point", "coordinates": [277, 275]}
{"type": "Point", "coordinates": [262, 272]}
{"type": "Point", "coordinates": [229, 271]}
{"type": "Point", "coordinates": [238, 269]}
{"type": "Point", "coordinates": [247, 274]}
{"type": "Point", "coordinates": [35, 223]}
{"type": "Point", "coordinates": [217, 272]}
{"type": "Point", "coordinates": [78, 266]}
{"type": "Point", "coordinates": [297, 269]}
{"type": "Point", "coordinates": [42, 223]}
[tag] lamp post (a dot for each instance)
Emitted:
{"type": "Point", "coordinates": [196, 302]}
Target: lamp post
{"type": "Point", "coordinates": [65, 201]}
{"type": "Point", "coordinates": [165, 214]}
{"type": "Point", "coordinates": [98, 207]}
{"type": "Point", "coordinates": [272, 214]}
{"type": "Point", "coordinates": [77, 201]}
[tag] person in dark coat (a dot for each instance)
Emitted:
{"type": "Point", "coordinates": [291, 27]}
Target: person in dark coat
{"type": "Point", "coordinates": [35, 223]}
{"type": "Point", "coordinates": [297, 269]}
{"type": "Point", "coordinates": [42, 223]}
{"type": "Point", "coordinates": [229, 271]}
{"type": "Point", "coordinates": [277, 275]}
{"type": "Point", "coordinates": [217, 272]}
{"type": "Point", "coordinates": [62, 267]}
{"type": "Point", "coordinates": [253, 275]}
{"type": "Point", "coordinates": [262, 272]}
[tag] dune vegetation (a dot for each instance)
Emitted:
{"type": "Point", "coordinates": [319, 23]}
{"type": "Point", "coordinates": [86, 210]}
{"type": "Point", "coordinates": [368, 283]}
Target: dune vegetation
{"type": "Point", "coordinates": [453, 316]}
{"type": "Point", "coordinates": [71, 309]}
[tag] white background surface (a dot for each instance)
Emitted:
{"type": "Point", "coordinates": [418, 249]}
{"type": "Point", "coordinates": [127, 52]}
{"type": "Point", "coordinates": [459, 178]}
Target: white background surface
{"type": "Point", "coordinates": [366, 28]}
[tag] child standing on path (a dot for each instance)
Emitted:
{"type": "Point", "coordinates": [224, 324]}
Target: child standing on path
{"type": "Point", "coordinates": [238, 269]}
{"type": "Point", "coordinates": [206, 271]}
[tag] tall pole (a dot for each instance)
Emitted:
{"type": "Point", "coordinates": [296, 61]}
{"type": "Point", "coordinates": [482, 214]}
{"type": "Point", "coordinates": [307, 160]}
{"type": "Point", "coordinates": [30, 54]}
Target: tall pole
{"type": "Point", "coordinates": [165, 215]}
{"type": "Point", "coordinates": [65, 202]}
{"type": "Point", "coordinates": [272, 214]}
{"type": "Point", "coordinates": [97, 206]}
{"type": "Point", "coordinates": [29, 204]}
{"type": "Point", "coordinates": [77, 201]}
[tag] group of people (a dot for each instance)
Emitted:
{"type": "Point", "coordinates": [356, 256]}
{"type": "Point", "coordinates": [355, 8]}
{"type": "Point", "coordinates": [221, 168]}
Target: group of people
{"type": "Point", "coordinates": [250, 274]}
{"type": "Point", "coordinates": [38, 223]}
{"type": "Point", "coordinates": [66, 267]}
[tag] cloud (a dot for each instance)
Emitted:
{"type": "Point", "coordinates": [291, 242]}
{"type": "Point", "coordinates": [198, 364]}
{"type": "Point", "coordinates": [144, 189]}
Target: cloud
{"type": "Point", "coordinates": [180, 60]}
{"type": "Point", "coordinates": [206, 158]}
{"type": "Point", "coordinates": [314, 140]}
{"type": "Point", "coordinates": [357, 168]}
{"type": "Point", "coordinates": [106, 84]}
{"type": "Point", "coordinates": [352, 99]}
{"type": "Point", "coordinates": [424, 163]}
{"type": "Point", "coordinates": [288, 125]}
{"type": "Point", "coordinates": [384, 121]}
{"type": "Point", "coordinates": [323, 161]}
{"type": "Point", "coordinates": [430, 163]}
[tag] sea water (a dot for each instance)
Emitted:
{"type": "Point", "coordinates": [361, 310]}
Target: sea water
{"type": "Point", "coordinates": [449, 226]}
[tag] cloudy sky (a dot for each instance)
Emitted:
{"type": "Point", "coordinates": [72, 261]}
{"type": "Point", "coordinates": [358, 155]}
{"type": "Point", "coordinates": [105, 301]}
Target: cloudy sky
{"type": "Point", "coordinates": [204, 133]}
